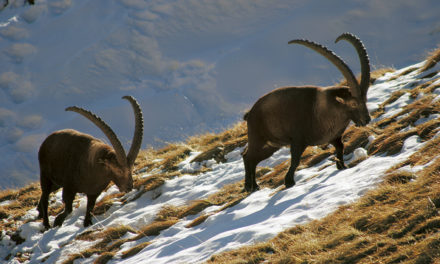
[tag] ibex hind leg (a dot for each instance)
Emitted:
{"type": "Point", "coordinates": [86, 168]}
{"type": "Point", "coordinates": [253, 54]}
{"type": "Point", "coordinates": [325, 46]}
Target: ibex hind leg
{"type": "Point", "coordinates": [252, 156]}
{"type": "Point", "coordinates": [46, 189]}
{"type": "Point", "coordinates": [295, 152]}
{"type": "Point", "coordinates": [68, 197]}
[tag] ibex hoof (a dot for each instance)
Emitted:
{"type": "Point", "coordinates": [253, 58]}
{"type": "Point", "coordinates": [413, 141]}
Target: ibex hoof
{"type": "Point", "coordinates": [87, 223]}
{"type": "Point", "coordinates": [289, 184]}
{"type": "Point", "coordinates": [46, 226]}
{"type": "Point", "coordinates": [250, 189]}
{"type": "Point", "coordinates": [340, 166]}
{"type": "Point", "coordinates": [58, 221]}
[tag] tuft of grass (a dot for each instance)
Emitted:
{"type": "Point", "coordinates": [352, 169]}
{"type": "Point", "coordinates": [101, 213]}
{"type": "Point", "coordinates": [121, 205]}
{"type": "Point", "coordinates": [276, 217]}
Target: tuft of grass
{"type": "Point", "coordinates": [108, 234]}
{"type": "Point", "coordinates": [105, 203]}
{"type": "Point", "coordinates": [109, 240]}
{"type": "Point", "coordinates": [154, 228]}
{"type": "Point", "coordinates": [194, 208]}
{"type": "Point", "coordinates": [134, 250]}
{"type": "Point", "coordinates": [198, 220]}
{"type": "Point", "coordinates": [356, 137]}
{"type": "Point", "coordinates": [236, 133]}
{"type": "Point", "coordinates": [174, 155]}
{"type": "Point", "coordinates": [406, 72]}
{"type": "Point", "coordinates": [394, 97]}
{"type": "Point", "coordinates": [432, 59]}
{"type": "Point", "coordinates": [390, 144]}
{"type": "Point", "coordinates": [104, 258]}
{"type": "Point", "coordinates": [168, 212]}
{"type": "Point", "coordinates": [219, 152]}
{"type": "Point", "coordinates": [375, 74]}
{"type": "Point", "coordinates": [425, 88]}
{"type": "Point", "coordinates": [21, 201]}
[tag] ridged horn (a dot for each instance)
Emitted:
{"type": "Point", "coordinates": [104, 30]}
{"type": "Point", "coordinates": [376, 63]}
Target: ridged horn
{"type": "Point", "coordinates": [138, 130]}
{"type": "Point", "coordinates": [363, 58]}
{"type": "Point", "coordinates": [117, 146]}
{"type": "Point", "coordinates": [336, 60]}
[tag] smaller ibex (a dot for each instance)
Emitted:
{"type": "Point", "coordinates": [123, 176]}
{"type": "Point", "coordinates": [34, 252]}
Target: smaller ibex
{"type": "Point", "coordinates": [80, 163]}
{"type": "Point", "coordinates": [307, 116]}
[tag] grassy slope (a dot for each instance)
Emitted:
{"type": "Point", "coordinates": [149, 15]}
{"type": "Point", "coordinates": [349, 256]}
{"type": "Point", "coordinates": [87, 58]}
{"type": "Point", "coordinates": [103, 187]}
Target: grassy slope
{"type": "Point", "coordinates": [396, 222]}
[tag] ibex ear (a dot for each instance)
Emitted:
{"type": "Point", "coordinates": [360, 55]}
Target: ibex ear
{"type": "Point", "coordinates": [107, 158]}
{"type": "Point", "coordinates": [341, 94]}
{"type": "Point", "coordinates": [340, 100]}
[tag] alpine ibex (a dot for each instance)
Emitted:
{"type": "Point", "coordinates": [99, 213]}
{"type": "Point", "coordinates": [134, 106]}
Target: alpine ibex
{"type": "Point", "coordinates": [80, 163]}
{"type": "Point", "coordinates": [307, 116]}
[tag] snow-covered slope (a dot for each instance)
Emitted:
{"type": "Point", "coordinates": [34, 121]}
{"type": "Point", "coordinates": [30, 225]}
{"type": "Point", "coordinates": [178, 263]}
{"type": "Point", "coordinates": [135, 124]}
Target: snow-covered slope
{"type": "Point", "coordinates": [193, 65]}
{"type": "Point", "coordinates": [320, 189]}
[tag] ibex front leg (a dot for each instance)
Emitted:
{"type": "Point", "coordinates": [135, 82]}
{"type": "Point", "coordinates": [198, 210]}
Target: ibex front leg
{"type": "Point", "coordinates": [91, 200]}
{"type": "Point", "coordinates": [339, 146]}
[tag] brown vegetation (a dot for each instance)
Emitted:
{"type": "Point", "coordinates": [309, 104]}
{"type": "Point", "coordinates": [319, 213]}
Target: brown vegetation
{"type": "Point", "coordinates": [432, 59]}
{"type": "Point", "coordinates": [396, 222]}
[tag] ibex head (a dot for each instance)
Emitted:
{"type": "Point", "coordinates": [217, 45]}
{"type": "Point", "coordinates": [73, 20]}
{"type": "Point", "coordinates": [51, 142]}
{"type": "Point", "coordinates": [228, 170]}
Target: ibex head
{"type": "Point", "coordinates": [356, 101]}
{"type": "Point", "coordinates": [113, 161]}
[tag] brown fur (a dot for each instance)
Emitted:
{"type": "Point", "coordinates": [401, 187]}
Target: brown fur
{"type": "Point", "coordinates": [300, 117]}
{"type": "Point", "coordinates": [80, 163]}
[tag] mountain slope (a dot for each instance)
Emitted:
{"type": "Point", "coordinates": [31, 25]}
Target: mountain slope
{"type": "Point", "coordinates": [192, 65]}
{"type": "Point", "coordinates": [188, 206]}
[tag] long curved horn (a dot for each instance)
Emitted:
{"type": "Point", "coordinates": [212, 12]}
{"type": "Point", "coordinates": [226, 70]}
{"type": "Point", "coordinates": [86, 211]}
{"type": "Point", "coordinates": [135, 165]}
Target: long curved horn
{"type": "Point", "coordinates": [138, 130]}
{"type": "Point", "coordinates": [363, 58]}
{"type": "Point", "coordinates": [333, 58]}
{"type": "Point", "coordinates": [120, 153]}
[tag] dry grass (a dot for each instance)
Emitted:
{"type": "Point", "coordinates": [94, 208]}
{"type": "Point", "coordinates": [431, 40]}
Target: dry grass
{"type": "Point", "coordinates": [111, 237]}
{"type": "Point", "coordinates": [406, 72]}
{"type": "Point", "coordinates": [390, 143]}
{"type": "Point", "coordinates": [194, 208]}
{"type": "Point", "coordinates": [173, 155]}
{"type": "Point", "coordinates": [374, 75]}
{"type": "Point", "coordinates": [105, 203]}
{"type": "Point", "coordinates": [109, 241]}
{"type": "Point", "coordinates": [394, 96]}
{"type": "Point", "coordinates": [398, 221]}
{"type": "Point", "coordinates": [425, 88]}
{"type": "Point", "coordinates": [426, 154]}
{"type": "Point", "coordinates": [21, 201]}
{"type": "Point", "coordinates": [393, 223]}
{"type": "Point", "coordinates": [390, 140]}
{"type": "Point", "coordinates": [210, 140]}
{"type": "Point", "coordinates": [432, 59]}
{"type": "Point", "coordinates": [154, 228]}
{"type": "Point", "coordinates": [164, 161]}
{"type": "Point", "coordinates": [134, 250]}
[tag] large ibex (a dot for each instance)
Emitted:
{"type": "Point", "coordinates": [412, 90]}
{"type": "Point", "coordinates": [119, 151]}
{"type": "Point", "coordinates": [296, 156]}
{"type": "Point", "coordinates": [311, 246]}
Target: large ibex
{"type": "Point", "coordinates": [308, 115]}
{"type": "Point", "coordinates": [80, 163]}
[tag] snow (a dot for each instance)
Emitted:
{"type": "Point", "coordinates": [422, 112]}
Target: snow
{"type": "Point", "coordinates": [260, 216]}
{"type": "Point", "coordinates": [61, 53]}
{"type": "Point", "coordinates": [194, 66]}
